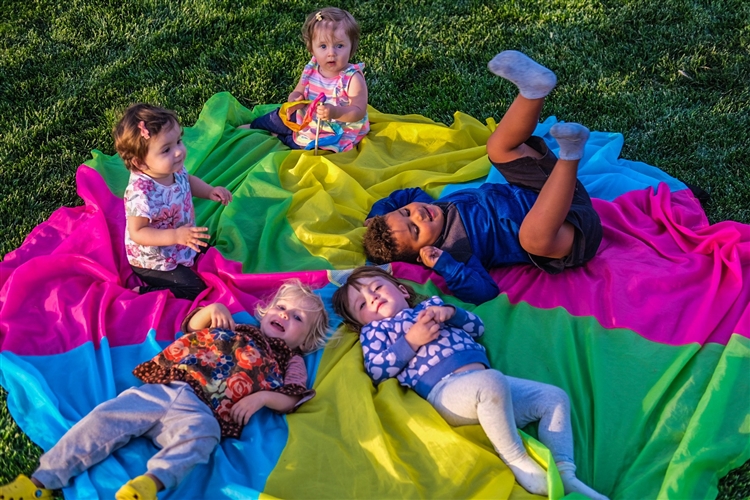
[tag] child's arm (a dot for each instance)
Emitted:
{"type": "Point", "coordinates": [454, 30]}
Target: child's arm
{"type": "Point", "coordinates": [143, 234]}
{"type": "Point", "coordinates": [398, 199]}
{"type": "Point", "coordinates": [357, 108]}
{"type": "Point", "coordinates": [215, 315]}
{"type": "Point", "coordinates": [202, 189]}
{"type": "Point", "coordinates": [469, 282]}
{"type": "Point", "coordinates": [250, 404]}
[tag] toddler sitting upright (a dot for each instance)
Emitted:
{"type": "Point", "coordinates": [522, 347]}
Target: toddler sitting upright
{"type": "Point", "coordinates": [339, 120]}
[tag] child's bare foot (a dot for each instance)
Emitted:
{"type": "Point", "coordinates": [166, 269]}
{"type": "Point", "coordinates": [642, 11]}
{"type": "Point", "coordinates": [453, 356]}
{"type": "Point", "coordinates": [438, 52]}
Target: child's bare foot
{"type": "Point", "coordinates": [572, 139]}
{"type": "Point", "coordinates": [533, 80]}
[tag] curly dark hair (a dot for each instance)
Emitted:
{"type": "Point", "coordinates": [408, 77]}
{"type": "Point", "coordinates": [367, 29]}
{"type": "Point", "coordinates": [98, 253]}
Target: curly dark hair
{"type": "Point", "coordinates": [380, 247]}
{"type": "Point", "coordinates": [341, 295]}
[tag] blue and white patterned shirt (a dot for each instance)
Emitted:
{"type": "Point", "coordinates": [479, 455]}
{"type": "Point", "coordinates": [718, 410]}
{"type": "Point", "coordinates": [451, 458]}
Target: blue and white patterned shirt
{"type": "Point", "coordinates": [387, 353]}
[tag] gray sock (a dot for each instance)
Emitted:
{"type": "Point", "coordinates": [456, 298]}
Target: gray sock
{"type": "Point", "coordinates": [572, 139]}
{"type": "Point", "coordinates": [533, 80]}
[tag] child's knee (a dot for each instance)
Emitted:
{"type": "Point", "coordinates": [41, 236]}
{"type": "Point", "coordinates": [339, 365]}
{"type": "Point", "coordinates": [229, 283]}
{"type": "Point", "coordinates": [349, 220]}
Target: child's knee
{"type": "Point", "coordinates": [497, 385]}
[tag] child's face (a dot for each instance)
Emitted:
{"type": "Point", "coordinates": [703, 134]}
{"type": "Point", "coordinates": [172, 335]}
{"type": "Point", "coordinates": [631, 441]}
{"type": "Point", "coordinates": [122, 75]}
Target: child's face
{"type": "Point", "coordinates": [415, 226]}
{"type": "Point", "coordinates": [289, 320]}
{"type": "Point", "coordinates": [166, 154]}
{"type": "Point", "coordinates": [331, 48]}
{"type": "Point", "coordinates": [375, 298]}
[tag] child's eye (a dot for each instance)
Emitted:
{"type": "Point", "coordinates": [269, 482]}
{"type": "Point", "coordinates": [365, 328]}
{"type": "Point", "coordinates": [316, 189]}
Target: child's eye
{"type": "Point", "coordinates": [298, 317]}
{"type": "Point", "coordinates": [340, 46]}
{"type": "Point", "coordinates": [378, 287]}
{"type": "Point", "coordinates": [406, 212]}
{"type": "Point", "coordinates": [280, 307]}
{"type": "Point", "coordinates": [361, 305]}
{"type": "Point", "coordinates": [323, 46]}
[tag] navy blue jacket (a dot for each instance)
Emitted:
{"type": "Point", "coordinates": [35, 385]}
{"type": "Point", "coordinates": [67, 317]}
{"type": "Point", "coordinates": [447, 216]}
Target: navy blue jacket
{"type": "Point", "coordinates": [492, 215]}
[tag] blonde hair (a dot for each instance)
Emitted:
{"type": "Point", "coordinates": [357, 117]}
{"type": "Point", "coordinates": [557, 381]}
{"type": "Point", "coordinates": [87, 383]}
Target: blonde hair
{"type": "Point", "coordinates": [331, 17]}
{"type": "Point", "coordinates": [294, 290]}
{"type": "Point", "coordinates": [138, 125]}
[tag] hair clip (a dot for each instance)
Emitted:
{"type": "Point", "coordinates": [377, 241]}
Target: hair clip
{"type": "Point", "coordinates": [144, 130]}
{"type": "Point", "coordinates": [319, 16]}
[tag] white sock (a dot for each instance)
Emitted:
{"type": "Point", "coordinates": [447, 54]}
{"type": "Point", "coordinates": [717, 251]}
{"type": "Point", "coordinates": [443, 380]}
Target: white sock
{"type": "Point", "coordinates": [533, 80]}
{"type": "Point", "coordinates": [572, 484]}
{"type": "Point", "coordinates": [529, 474]}
{"type": "Point", "coordinates": [572, 139]}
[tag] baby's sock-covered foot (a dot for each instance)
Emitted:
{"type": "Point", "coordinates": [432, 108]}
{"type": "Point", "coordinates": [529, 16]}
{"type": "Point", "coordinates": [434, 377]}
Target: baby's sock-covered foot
{"type": "Point", "coordinates": [533, 80]}
{"type": "Point", "coordinates": [23, 487]}
{"type": "Point", "coordinates": [572, 139]}
{"type": "Point", "coordinates": [572, 484]}
{"type": "Point", "coordinates": [529, 474]}
{"type": "Point", "coordinates": [139, 488]}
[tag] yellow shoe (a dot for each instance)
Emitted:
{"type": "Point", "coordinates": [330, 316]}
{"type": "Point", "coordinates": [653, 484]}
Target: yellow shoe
{"type": "Point", "coordinates": [22, 489]}
{"type": "Point", "coordinates": [140, 488]}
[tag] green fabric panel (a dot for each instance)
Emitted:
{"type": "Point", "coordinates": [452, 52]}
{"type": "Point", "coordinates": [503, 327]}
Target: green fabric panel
{"type": "Point", "coordinates": [253, 228]}
{"type": "Point", "coordinates": [647, 417]}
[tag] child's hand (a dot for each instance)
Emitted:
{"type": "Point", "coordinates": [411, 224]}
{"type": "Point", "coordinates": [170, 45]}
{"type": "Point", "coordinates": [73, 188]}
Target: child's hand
{"type": "Point", "coordinates": [219, 316]}
{"type": "Point", "coordinates": [192, 237]}
{"type": "Point", "coordinates": [425, 330]}
{"type": "Point", "coordinates": [293, 97]}
{"type": "Point", "coordinates": [429, 256]}
{"type": "Point", "coordinates": [221, 194]}
{"type": "Point", "coordinates": [326, 112]}
{"type": "Point", "coordinates": [441, 314]}
{"type": "Point", "coordinates": [247, 407]}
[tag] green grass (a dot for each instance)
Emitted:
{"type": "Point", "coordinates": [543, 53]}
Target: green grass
{"type": "Point", "coordinates": [670, 75]}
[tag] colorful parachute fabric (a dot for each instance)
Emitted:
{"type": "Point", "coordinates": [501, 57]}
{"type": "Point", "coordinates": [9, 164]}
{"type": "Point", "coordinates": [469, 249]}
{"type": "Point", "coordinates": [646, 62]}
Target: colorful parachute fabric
{"type": "Point", "coordinates": [651, 339]}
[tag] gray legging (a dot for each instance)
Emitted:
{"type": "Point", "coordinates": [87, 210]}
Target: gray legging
{"type": "Point", "coordinates": [489, 398]}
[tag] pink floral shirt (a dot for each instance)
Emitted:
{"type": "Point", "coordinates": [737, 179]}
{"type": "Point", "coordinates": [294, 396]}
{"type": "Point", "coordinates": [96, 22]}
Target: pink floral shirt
{"type": "Point", "coordinates": [166, 207]}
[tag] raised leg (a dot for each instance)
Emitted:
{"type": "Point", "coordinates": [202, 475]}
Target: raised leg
{"type": "Point", "coordinates": [534, 82]}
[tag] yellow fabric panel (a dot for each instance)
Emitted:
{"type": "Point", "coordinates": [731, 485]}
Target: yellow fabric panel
{"type": "Point", "coordinates": [398, 444]}
{"type": "Point", "coordinates": [332, 193]}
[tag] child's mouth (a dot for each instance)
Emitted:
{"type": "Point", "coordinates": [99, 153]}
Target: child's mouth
{"type": "Point", "coordinates": [277, 325]}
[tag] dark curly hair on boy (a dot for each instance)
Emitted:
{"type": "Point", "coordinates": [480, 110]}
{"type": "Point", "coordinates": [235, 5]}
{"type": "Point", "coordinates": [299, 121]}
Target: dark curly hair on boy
{"type": "Point", "coordinates": [380, 247]}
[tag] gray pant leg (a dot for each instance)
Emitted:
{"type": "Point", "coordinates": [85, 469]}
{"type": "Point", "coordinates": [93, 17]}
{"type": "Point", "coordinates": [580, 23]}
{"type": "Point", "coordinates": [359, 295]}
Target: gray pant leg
{"type": "Point", "coordinates": [108, 427]}
{"type": "Point", "coordinates": [187, 435]}
{"type": "Point", "coordinates": [480, 397]}
{"type": "Point", "coordinates": [549, 405]}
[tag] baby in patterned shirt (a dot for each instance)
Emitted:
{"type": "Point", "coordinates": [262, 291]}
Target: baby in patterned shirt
{"type": "Point", "coordinates": [205, 385]}
{"type": "Point", "coordinates": [429, 346]}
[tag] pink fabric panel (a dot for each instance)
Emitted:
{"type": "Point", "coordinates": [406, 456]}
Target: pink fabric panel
{"type": "Point", "coordinates": [661, 271]}
{"type": "Point", "coordinates": [70, 282]}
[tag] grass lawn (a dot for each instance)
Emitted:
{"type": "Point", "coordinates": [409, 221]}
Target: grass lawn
{"type": "Point", "coordinates": [670, 75]}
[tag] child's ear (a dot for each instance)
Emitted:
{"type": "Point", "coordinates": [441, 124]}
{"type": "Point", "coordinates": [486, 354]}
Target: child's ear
{"type": "Point", "coordinates": [138, 164]}
{"type": "Point", "coordinates": [404, 291]}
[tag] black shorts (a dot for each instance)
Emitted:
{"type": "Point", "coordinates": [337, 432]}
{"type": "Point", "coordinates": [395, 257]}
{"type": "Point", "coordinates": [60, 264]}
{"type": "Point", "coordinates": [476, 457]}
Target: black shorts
{"type": "Point", "coordinates": [532, 173]}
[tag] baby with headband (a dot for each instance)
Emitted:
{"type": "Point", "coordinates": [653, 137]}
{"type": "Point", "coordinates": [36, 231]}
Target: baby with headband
{"type": "Point", "coordinates": [328, 107]}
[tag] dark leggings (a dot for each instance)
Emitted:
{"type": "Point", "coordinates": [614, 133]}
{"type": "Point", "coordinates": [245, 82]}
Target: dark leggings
{"type": "Point", "coordinates": [182, 281]}
{"type": "Point", "coordinates": [272, 122]}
